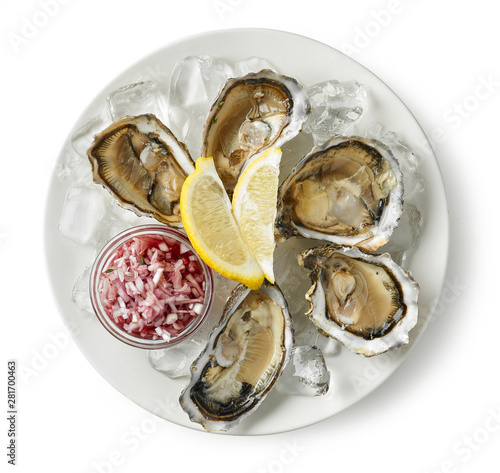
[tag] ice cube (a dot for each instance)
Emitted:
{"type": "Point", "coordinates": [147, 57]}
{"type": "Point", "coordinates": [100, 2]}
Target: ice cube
{"type": "Point", "coordinates": [175, 361]}
{"type": "Point", "coordinates": [252, 64]}
{"type": "Point", "coordinates": [179, 120]}
{"type": "Point", "coordinates": [306, 374]}
{"type": "Point", "coordinates": [107, 229]}
{"type": "Point", "coordinates": [188, 104]}
{"type": "Point", "coordinates": [406, 235]}
{"type": "Point", "coordinates": [374, 130]}
{"type": "Point", "coordinates": [136, 99]}
{"type": "Point", "coordinates": [118, 212]}
{"type": "Point", "coordinates": [309, 335]}
{"type": "Point", "coordinates": [116, 220]}
{"type": "Point", "coordinates": [193, 137]}
{"type": "Point", "coordinates": [75, 166]}
{"type": "Point", "coordinates": [83, 209]}
{"type": "Point", "coordinates": [335, 107]}
{"type": "Point", "coordinates": [80, 294]}
{"type": "Point", "coordinates": [187, 88]}
{"type": "Point", "coordinates": [408, 162]}
{"type": "Point", "coordinates": [84, 136]}
{"type": "Point", "coordinates": [215, 72]}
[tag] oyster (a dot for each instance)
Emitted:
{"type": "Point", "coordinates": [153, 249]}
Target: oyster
{"type": "Point", "coordinates": [365, 301]}
{"type": "Point", "coordinates": [250, 114]}
{"type": "Point", "coordinates": [245, 354]}
{"type": "Point", "coordinates": [141, 163]}
{"type": "Point", "coordinates": [348, 191]}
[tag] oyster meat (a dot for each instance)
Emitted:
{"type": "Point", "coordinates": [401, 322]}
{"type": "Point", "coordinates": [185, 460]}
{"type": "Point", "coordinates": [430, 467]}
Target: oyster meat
{"type": "Point", "coordinates": [365, 301]}
{"type": "Point", "coordinates": [250, 114]}
{"type": "Point", "coordinates": [245, 354]}
{"type": "Point", "coordinates": [143, 165]}
{"type": "Point", "coordinates": [348, 191]}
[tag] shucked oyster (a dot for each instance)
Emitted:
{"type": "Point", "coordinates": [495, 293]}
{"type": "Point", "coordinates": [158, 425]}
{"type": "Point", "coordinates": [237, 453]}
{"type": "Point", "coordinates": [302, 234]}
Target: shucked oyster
{"type": "Point", "coordinates": [347, 191]}
{"type": "Point", "coordinates": [142, 164]}
{"type": "Point", "coordinates": [245, 354]}
{"type": "Point", "coordinates": [250, 114]}
{"type": "Point", "coordinates": [365, 301]}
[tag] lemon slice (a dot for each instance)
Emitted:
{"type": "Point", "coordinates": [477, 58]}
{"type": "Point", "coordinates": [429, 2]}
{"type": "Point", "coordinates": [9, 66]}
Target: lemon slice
{"type": "Point", "coordinates": [212, 229]}
{"type": "Point", "coordinates": [254, 206]}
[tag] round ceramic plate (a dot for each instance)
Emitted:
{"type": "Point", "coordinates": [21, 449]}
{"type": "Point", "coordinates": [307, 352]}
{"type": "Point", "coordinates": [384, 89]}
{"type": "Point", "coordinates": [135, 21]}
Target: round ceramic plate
{"type": "Point", "coordinates": [353, 376]}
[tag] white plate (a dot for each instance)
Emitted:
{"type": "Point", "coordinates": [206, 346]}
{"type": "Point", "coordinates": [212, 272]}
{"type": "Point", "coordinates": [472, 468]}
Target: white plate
{"type": "Point", "coordinates": [353, 376]}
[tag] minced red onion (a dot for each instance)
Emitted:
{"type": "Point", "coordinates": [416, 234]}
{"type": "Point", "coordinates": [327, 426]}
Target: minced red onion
{"type": "Point", "coordinates": [153, 286]}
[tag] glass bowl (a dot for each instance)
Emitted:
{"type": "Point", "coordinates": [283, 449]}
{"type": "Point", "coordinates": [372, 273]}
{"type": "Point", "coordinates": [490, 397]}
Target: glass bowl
{"type": "Point", "coordinates": [101, 267]}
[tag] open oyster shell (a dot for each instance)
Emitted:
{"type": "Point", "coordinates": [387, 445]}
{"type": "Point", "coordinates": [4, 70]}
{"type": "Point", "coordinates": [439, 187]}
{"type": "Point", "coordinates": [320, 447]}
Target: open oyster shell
{"type": "Point", "coordinates": [250, 114]}
{"type": "Point", "coordinates": [143, 165]}
{"type": "Point", "coordinates": [348, 191]}
{"type": "Point", "coordinates": [245, 354]}
{"type": "Point", "coordinates": [365, 301]}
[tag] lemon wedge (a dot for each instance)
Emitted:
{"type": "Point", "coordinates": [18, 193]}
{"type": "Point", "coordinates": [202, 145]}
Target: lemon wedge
{"type": "Point", "coordinates": [212, 229]}
{"type": "Point", "coordinates": [254, 206]}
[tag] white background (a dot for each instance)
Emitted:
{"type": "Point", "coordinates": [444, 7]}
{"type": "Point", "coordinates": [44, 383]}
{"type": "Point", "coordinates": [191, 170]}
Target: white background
{"type": "Point", "coordinates": [440, 412]}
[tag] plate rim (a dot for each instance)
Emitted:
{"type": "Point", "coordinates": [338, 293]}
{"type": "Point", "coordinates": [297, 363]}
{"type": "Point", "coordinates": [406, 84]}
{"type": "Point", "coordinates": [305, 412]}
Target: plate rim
{"type": "Point", "coordinates": [179, 41]}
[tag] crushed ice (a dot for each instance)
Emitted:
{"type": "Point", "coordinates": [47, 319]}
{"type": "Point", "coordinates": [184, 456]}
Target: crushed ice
{"type": "Point", "coordinates": [335, 108]}
{"type": "Point", "coordinates": [306, 374]}
{"type": "Point", "coordinates": [91, 216]}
